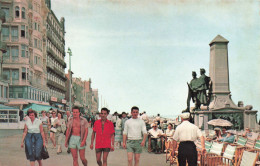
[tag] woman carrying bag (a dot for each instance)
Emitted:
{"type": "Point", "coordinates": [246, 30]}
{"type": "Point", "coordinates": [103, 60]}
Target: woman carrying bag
{"type": "Point", "coordinates": [60, 125]}
{"type": "Point", "coordinates": [33, 138]}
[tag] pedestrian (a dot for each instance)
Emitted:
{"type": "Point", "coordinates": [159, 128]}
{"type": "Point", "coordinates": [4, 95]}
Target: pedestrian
{"type": "Point", "coordinates": [53, 130]}
{"type": "Point", "coordinates": [135, 136]}
{"type": "Point", "coordinates": [33, 138]}
{"type": "Point", "coordinates": [104, 132]}
{"type": "Point", "coordinates": [186, 133]}
{"type": "Point", "coordinates": [118, 132]}
{"type": "Point", "coordinates": [76, 135]}
{"type": "Point", "coordinates": [67, 118]}
{"type": "Point", "coordinates": [45, 125]}
{"type": "Point", "coordinates": [124, 119]}
{"type": "Point", "coordinates": [93, 119]}
{"type": "Point", "coordinates": [60, 125]}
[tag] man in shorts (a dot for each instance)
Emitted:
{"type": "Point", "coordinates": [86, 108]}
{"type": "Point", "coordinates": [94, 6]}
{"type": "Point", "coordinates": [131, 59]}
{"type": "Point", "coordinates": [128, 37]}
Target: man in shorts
{"type": "Point", "coordinates": [76, 135]}
{"type": "Point", "coordinates": [133, 130]}
{"type": "Point", "coordinates": [104, 131]}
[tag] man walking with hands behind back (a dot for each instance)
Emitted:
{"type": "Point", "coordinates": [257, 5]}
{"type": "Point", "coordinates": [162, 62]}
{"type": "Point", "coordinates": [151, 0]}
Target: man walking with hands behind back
{"type": "Point", "coordinates": [104, 129]}
{"type": "Point", "coordinates": [133, 130]}
{"type": "Point", "coordinates": [76, 135]}
{"type": "Point", "coordinates": [186, 133]}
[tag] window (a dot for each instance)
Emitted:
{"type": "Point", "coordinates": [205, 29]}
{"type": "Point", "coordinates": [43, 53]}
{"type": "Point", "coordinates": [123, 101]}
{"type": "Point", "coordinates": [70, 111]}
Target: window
{"type": "Point", "coordinates": [17, 12]}
{"type": "Point", "coordinates": [6, 10]}
{"type": "Point", "coordinates": [15, 74]}
{"type": "Point", "coordinates": [39, 28]}
{"type": "Point", "coordinates": [35, 26]}
{"type": "Point", "coordinates": [14, 52]}
{"type": "Point", "coordinates": [23, 31]}
{"type": "Point", "coordinates": [26, 32]}
{"type": "Point", "coordinates": [14, 31]}
{"type": "Point", "coordinates": [7, 54]}
{"type": "Point", "coordinates": [6, 74]}
{"type": "Point", "coordinates": [5, 32]}
{"type": "Point", "coordinates": [23, 13]}
{"type": "Point", "coordinates": [24, 50]}
{"type": "Point", "coordinates": [5, 92]}
{"type": "Point", "coordinates": [35, 59]}
{"type": "Point", "coordinates": [23, 73]}
{"type": "Point", "coordinates": [35, 43]}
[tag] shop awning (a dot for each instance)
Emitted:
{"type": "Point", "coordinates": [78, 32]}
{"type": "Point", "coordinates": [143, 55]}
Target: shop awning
{"type": "Point", "coordinates": [38, 107]}
{"type": "Point", "coordinates": [4, 107]}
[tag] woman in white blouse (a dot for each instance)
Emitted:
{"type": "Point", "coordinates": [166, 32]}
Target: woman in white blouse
{"type": "Point", "coordinates": [52, 132]}
{"type": "Point", "coordinates": [169, 132]}
{"type": "Point", "coordinates": [33, 138]}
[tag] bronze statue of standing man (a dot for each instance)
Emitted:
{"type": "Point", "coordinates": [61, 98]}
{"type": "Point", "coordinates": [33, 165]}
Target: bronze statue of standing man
{"type": "Point", "coordinates": [198, 90]}
{"type": "Point", "coordinates": [192, 94]}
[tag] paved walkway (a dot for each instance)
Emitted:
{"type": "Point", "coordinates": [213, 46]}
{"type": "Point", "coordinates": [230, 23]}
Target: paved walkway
{"type": "Point", "coordinates": [11, 154]}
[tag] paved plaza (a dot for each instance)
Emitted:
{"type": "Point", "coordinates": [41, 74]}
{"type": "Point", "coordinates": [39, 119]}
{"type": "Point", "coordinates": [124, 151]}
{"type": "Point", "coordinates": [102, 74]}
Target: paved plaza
{"type": "Point", "coordinates": [11, 154]}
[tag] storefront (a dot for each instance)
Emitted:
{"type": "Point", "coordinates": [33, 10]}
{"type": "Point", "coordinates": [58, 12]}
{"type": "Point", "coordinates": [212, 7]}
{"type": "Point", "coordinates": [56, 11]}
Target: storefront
{"type": "Point", "coordinates": [9, 117]}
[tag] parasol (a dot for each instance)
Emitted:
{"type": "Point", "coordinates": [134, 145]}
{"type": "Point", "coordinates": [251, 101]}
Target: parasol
{"type": "Point", "coordinates": [220, 122]}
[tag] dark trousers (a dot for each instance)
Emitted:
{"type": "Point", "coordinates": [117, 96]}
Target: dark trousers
{"type": "Point", "coordinates": [187, 151]}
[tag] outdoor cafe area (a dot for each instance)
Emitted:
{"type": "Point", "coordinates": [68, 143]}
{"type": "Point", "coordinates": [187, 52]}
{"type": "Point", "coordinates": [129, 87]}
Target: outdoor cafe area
{"type": "Point", "coordinates": [243, 150]}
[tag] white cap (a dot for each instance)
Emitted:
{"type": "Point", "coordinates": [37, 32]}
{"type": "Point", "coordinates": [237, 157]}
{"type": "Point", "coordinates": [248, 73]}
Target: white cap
{"type": "Point", "coordinates": [185, 115]}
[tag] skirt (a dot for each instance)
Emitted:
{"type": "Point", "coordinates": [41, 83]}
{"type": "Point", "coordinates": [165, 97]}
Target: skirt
{"type": "Point", "coordinates": [118, 135]}
{"type": "Point", "coordinates": [33, 146]}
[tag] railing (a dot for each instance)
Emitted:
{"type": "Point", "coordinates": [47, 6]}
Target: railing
{"type": "Point", "coordinates": [50, 51]}
{"type": "Point", "coordinates": [15, 59]}
{"type": "Point", "coordinates": [56, 85]}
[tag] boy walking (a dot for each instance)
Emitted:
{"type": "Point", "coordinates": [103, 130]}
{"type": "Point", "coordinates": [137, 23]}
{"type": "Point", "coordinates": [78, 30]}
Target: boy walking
{"type": "Point", "coordinates": [104, 131]}
{"type": "Point", "coordinates": [133, 130]}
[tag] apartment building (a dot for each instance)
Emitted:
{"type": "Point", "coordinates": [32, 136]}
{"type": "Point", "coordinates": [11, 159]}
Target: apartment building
{"type": "Point", "coordinates": [34, 61]}
{"type": "Point", "coordinates": [55, 53]}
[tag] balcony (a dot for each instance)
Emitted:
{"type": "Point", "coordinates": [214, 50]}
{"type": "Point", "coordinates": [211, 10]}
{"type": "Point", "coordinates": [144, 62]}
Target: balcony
{"type": "Point", "coordinates": [51, 52]}
{"type": "Point", "coordinates": [12, 59]}
{"type": "Point", "coordinates": [39, 83]}
{"type": "Point", "coordinates": [38, 67]}
{"type": "Point", "coordinates": [56, 70]}
{"type": "Point", "coordinates": [56, 85]}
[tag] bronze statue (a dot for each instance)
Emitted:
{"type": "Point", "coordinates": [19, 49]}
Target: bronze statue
{"type": "Point", "coordinates": [198, 90]}
{"type": "Point", "coordinates": [192, 93]}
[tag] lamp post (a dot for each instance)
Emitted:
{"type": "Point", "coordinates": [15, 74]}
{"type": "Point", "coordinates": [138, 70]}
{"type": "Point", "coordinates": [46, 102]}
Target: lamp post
{"type": "Point", "coordinates": [70, 73]}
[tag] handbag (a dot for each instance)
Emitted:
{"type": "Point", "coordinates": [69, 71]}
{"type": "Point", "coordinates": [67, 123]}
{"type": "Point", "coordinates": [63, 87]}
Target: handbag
{"type": "Point", "coordinates": [53, 129]}
{"type": "Point", "coordinates": [44, 153]}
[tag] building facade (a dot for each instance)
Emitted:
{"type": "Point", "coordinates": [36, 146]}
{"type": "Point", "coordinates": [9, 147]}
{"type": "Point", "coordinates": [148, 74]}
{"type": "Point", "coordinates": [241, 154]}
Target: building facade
{"type": "Point", "coordinates": [35, 48]}
{"type": "Point", "coordinates": [82, 94]}
{"type": "Point", "coordinates": [55, 55]}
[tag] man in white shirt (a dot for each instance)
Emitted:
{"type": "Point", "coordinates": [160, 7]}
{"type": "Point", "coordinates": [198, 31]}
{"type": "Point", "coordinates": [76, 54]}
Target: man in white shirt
{"type": "Point", "coordinates": [186, 133]}
{"type": "Point", "coordinates": [133, 130]}
{"type": "Point", "coordinates": [156, 138]}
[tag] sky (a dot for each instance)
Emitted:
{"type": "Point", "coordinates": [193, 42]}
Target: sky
{"type": "Point", "coordinates": [142, 52]}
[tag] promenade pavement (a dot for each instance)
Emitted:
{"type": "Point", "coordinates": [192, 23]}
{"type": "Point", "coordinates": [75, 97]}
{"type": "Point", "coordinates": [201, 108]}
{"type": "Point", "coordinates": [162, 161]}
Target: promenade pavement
{"type": "Point", "coordinates": [11, 154]}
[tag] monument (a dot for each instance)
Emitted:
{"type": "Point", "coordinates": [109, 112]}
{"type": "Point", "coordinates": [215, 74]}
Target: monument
{"type": "Point", "coordinates": [217, 90]}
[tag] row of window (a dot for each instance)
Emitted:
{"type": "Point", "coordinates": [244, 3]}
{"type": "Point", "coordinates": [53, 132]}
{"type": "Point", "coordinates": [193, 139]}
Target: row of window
{"type": "Point", "coordinates": [54, 36]}
{"type": "Point", "coordinates": [14, 35]}
{"type": "Point", "coordinates": [13, 51]}
{"type": "Point", "coordinates": [52, 62]}
{"type": "Point", "coordinates": [18, 12]}
{"type": "Point", "coordinates": [26, 92]}
{"type": "Point", "coordinates": [54, 49]}
{"type": "Point", "coordinates": [55, 25]}
{"type": "Point", "coordinates": [55, 78]}
{"type": "Point", "coordinates": [56, 93]}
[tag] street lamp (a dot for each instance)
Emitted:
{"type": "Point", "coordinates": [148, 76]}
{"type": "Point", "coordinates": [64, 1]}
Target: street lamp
{"type": "Point", "coordinates": [70, 54]}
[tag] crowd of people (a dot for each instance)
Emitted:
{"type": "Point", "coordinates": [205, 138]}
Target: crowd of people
{"type": "Point", "coordinates": [110, 132]}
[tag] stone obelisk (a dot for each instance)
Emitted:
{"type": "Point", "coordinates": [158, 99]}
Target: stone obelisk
{"type": "Point", "coordinates": [219, 74]}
